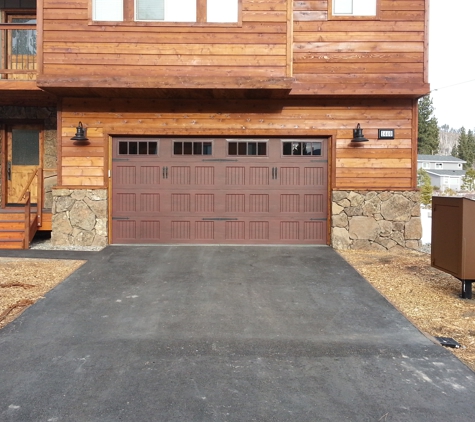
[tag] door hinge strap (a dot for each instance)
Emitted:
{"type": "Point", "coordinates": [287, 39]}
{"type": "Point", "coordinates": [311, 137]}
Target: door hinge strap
{"type": "Point", "coordinates": [219, 219]}
{"type": "Point", "coordinates": [220, 159]}
{"type": "Point", "coordinates": [120, 218]}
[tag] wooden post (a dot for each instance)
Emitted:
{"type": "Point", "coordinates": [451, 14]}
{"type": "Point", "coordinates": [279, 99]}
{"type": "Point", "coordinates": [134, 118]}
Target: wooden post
{"type": "Point", "coordinates": [39, 196]}
{"type": "Point", "coordinates": [26, 240]}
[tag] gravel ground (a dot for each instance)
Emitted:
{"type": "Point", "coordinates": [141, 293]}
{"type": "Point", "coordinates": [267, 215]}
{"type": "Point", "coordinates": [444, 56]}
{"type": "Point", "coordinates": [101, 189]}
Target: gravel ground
{"type": "Point", "coordinates": [425, 248]}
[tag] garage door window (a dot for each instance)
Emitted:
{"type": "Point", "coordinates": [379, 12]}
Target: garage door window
{"type": "Point", "coordinates": [247, 148]}
{"type": "Point", "coordinates": [138, 148]}
{"type": "Point", "coordinates": [301, 148]}
{"type": "Point", "coordinates": [192, 148]}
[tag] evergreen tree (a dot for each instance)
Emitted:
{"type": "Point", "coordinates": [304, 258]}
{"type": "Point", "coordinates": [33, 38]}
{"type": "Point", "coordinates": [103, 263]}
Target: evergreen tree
{"type": "Point", "coordinates": [468, 181]}
{"type": "Point", "coordinates": [424, 182]}
{"type": "Point", "coordinates": [428, 133]}
{"type": "Point", "coordinates": [466, 147]}
{"type": "Point", "coordinates": [454, 152]}
{"type": "Point", "coordinates": [471, 148]}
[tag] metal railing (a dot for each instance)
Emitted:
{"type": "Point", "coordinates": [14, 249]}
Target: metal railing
{"type": "Point", "coordinates": [18, 59]}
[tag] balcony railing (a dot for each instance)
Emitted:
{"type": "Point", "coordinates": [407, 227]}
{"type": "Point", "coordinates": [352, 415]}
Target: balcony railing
{"type": "Point", "coordinates": [18, 60]}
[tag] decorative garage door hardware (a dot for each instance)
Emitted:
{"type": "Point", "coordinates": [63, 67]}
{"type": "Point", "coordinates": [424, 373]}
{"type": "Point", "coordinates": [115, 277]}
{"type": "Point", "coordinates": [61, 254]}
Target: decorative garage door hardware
{"type": "Point", "coordinates": [219, 219]}
{"type": "Point", "coordinates": [219, 160]}
{"type": "Point", "coordinates": [274, 173]}
{"type": "Point", "coordinates": [165, 172]}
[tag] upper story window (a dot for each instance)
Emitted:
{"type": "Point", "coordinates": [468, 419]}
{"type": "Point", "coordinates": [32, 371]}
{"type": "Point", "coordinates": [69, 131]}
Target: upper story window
{"type": "Point", "coordinates": [439, 165]}
{"type": "Point", "coordinates": [199, 11]}
{"type": "Point", "coordinates": [353, 8]}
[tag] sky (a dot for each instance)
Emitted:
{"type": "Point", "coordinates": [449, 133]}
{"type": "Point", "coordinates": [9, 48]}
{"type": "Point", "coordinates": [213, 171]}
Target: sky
{"type": "Point", "coordinates": [452, 62]}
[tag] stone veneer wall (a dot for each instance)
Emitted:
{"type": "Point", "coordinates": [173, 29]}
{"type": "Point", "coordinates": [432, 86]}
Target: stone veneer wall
{"type": "Point", "coordinates": [376, 220]}
{"type": "Point", "coordinates": [79, 217]}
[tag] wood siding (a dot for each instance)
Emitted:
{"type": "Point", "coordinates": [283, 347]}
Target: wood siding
{"type": "Point", "coordinates": [377, 164]}
{"type": "Point", "coordinates": [381, 56]}
{"type": "Point", "coordinates": [78, 48]}
{"type": "Point", "coordinates": [277, 39]}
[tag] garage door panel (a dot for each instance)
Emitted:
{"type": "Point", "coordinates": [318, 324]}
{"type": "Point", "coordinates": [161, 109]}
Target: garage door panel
{"type": "Point", "coordinates": [243, 200]}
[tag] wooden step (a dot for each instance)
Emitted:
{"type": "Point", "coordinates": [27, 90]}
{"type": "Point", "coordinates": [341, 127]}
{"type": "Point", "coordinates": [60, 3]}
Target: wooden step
{"type": "Point", "coordinates": [11, 235]}
{"type": "Point", "coordinates": [11, 244]}
{"type": "Point", "coordinates": [12, 225]}
{"type": "Point", "coordinates": [12, 216]}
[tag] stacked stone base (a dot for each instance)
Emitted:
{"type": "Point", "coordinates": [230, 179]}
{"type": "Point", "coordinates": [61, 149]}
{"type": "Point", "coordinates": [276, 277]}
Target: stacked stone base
{"type": "Point", "coordinates": [360, 220]}
{"type": "Point", "coordinates": [376, 220]}
{"type": "Point", "coordinates": [79, 217]}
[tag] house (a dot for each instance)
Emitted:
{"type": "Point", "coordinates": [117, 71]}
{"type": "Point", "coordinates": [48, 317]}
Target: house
{"type": "Point", "coordinates": [445, 171]}
{"type": "Point", "coordinates": [212, 121]}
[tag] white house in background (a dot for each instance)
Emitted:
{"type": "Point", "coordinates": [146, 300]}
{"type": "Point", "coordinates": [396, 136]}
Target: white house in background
{"type": "Point", "coordinates": [445, 171]}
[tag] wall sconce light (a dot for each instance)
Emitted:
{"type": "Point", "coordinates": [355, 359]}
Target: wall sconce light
{"type": "Point", "coordinates": [80, 136]}
{"type": "Point", "coordinates": [358, 135]}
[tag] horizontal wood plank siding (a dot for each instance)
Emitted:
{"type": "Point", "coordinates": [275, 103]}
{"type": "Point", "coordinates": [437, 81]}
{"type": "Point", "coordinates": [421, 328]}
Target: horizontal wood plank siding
{"type": "Point", "coordinates": [377, 164]}
{"type": "Point", "coordinates": [381, 56]}
{"type": "Point", "coordinates": [74, 46]}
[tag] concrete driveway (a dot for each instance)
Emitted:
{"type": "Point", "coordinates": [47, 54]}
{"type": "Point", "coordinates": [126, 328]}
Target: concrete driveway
{"type": "Point", "coordinates": [193, 333]}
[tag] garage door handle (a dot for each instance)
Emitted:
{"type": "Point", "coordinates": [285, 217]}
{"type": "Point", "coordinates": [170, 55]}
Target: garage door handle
{"type": "Point", "coordinates": [165, 172]}
{"type": "Point", "coordinates": [274, 172]}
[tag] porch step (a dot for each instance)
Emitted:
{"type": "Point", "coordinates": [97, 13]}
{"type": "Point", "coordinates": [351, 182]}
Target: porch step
{"type": "Point", "coordinates": [12, 229]}
{"type": "Point", "coordinates": [11, 243]}
{"type": "Point", "coordinates": [12, 225]}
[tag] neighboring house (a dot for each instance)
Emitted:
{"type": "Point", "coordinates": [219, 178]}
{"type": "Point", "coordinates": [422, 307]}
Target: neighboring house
{"type": "Point", "coordinates": [445, 171]}
{"type": "Point", "coordinates": [212, 121]}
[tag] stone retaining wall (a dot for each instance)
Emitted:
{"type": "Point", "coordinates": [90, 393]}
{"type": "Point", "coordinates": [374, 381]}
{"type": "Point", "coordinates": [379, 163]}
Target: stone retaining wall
{"type": "Point", "coordinates": [376, 220]}
{"type": "Point", "coordinates": [79, 217]}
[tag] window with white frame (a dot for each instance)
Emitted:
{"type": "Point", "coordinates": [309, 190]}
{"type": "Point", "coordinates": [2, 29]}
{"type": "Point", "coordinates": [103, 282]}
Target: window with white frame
{"type": "Point", "coordinates": [439, 165]}
{"type": "Point", "coordinates": [425, 165]}
{"type": "Point", "coordinates": [354, 7]}
{"type": "Point", "coordinates": [201, 11]}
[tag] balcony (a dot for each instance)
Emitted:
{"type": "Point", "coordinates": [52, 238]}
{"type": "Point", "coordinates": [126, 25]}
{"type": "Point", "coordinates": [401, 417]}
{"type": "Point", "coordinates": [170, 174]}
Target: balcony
{"type": "Point", "coordinates": [18, 60]}
{"type": "Point", "coordinates": [19, 63]}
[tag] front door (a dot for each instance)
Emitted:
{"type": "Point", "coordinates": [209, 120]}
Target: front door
{"type": "Point", "coordinates": [23, 160]}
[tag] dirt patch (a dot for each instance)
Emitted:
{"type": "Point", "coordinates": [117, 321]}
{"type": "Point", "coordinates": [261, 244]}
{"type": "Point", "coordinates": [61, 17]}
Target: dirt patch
{"type": "Point", "coordinates": [429, 298]}
{"type": "Point", "coordinates": [24, 281]}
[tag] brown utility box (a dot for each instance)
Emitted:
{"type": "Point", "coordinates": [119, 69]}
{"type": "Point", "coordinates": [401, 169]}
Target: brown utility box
{"type": "Point", "coordinates": [453, 236]}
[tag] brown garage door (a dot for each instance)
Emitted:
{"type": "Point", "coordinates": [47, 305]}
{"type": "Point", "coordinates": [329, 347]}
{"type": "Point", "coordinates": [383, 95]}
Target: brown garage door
{"type": "Point", "coordinates": [219, 191]}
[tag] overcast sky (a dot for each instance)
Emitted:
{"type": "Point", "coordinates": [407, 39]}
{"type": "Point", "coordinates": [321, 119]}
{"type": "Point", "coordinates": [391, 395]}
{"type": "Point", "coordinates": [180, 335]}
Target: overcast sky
{"type": "Point", "coordinates": [452, 61]}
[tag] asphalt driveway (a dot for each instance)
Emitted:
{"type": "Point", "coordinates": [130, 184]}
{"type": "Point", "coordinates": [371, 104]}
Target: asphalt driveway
{"type": "Point", "coordinates": [190, 333]}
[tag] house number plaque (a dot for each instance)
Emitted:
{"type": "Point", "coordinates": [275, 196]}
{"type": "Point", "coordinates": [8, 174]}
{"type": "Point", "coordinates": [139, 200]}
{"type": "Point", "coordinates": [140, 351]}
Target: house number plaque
{"type": "Point", "coordinates": [385, 133]}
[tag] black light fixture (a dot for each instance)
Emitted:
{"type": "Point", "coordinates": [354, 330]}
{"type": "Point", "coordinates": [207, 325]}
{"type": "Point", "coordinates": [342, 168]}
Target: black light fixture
{"type": "Point", "coordinates": [358, 135]}
{"type": "Point", "coordinates": [80, 136]}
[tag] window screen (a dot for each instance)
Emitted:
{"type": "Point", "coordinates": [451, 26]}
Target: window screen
{"type": "Point", "coordinates": [165, 10]}
{"type": "Point", "coordinates": [25, 147]}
